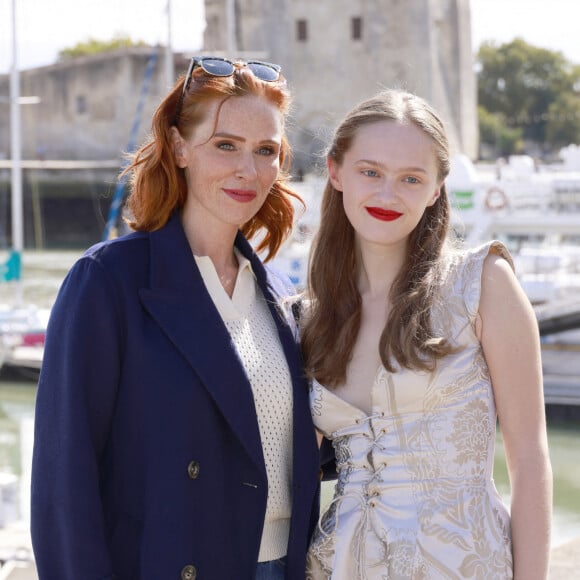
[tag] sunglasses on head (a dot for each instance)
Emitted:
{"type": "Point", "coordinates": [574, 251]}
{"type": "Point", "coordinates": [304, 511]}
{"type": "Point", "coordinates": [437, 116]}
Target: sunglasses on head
{"type": "Point", "coordinates": [216, 66]}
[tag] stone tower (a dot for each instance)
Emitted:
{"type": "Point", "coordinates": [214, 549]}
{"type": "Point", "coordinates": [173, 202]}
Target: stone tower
{"type": "Point", "coordinates": [335, 53]}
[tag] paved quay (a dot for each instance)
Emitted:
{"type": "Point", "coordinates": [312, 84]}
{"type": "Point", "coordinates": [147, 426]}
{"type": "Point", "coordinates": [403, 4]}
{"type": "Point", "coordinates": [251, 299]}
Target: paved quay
{"type": "Point", "coordinates": [15, 542]}
{"type": "Point", "coordinates": [565, 561]}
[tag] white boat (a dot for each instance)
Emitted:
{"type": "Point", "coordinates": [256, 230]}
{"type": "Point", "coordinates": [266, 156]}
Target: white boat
{"type": "Point", "coordinates": [535, 211]}
{"type": "Point", "coordinates": [22, 337]}
{"type": "Point", "coordinates": [516, 201]}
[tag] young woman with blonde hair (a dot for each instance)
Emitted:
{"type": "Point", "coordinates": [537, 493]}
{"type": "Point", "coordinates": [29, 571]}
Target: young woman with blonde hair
{"type": "Point", "coordinates": [414, 350]}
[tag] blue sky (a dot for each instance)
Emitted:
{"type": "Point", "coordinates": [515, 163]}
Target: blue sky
{"type": "Point", "coordinates": [46, 26]}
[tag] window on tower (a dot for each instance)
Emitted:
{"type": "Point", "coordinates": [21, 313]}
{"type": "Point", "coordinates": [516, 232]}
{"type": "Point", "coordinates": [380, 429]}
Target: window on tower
{"type": "Point", "coordinates": [356, 27]}
{"type": "Point", "coordinates": [81, 104]}
{"type": "Point", "coordinates": [302, 30]}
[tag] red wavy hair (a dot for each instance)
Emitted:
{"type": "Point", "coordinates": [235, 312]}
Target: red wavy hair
{"type": "Point", "coordinates": [157, 184]}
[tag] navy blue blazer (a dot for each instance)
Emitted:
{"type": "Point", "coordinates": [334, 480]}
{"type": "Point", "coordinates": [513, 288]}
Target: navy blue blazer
{"type": "Point", "coordinates": [147, 458]}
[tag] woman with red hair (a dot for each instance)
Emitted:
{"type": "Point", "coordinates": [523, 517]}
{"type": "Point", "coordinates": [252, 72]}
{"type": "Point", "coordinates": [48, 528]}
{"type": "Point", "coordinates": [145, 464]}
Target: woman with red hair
{"type": "Point", "coordinates": [173, 435]}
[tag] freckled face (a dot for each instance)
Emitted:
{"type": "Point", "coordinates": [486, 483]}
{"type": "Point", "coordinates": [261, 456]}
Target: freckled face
{"type": "Point", "coordinates": [388, 178]}
{"type": "Point", "coordinates": [231, 164]}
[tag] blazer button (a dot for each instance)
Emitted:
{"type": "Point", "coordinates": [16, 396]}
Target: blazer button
{"type": "Point", "coordinates": [193, 469]}
{"type": "Point", "coordinates": [189, 573]}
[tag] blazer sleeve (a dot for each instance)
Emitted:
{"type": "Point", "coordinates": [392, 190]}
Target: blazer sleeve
{"type": "Point", "coordinates": [327, 461]}
{"type": "Point", "coordinates": [74, 409]}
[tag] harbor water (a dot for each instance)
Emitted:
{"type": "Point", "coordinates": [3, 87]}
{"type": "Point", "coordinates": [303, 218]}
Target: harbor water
{"type": "Point", "coordinates": [42, 275]}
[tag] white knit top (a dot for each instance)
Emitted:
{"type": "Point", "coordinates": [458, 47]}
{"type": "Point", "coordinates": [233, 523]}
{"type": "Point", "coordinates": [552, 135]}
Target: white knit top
{"type": "Point", "coordinates": [253, 332]}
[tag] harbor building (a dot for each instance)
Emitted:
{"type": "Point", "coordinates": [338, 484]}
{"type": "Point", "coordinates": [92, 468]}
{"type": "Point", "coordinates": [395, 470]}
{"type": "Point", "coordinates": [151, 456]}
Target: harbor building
{"type": "Point", "coordinates": [91, 110]}
{"type": "Point", "coordinates": [334, 53]}
{"type": "Point", "coordinates": [87, 105]}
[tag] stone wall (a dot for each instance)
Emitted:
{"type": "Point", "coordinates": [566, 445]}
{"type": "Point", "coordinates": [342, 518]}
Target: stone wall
{"type": "Point", "coordinates": [420, 45]}
{"type": "Point", "coordinates": [87, 105]}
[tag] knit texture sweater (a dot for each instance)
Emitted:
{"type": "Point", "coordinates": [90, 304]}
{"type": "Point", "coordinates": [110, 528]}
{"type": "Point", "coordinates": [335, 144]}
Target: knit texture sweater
{"type": "Point", "coordinates": [253, 332]}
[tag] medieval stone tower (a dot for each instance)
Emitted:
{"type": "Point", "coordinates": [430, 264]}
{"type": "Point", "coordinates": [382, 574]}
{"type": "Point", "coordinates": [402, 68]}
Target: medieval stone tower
{"type": "Point", "coordinates": [335, 53]}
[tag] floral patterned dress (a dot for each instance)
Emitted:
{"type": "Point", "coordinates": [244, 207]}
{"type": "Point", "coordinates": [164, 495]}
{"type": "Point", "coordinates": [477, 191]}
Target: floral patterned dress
{"type": "Point", "coordinates": [415, 497]}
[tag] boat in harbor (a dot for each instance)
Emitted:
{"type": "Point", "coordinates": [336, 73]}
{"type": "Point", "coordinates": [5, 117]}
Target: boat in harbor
{"type": "Point", "coordinates": [535, 211]}
{"type": "Point", "coordinates": [22, 337]}
{"type": "Point", "coordinates": [22, 327]}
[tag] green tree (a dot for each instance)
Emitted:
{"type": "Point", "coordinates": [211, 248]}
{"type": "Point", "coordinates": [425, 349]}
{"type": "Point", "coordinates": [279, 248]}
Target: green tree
{"type": "Point", "coordinates": [494, 131]}
{"type": "Point", "coordinates": [563, 123]}
{"type": "Point", "coordinates": [93, 46]}
{"type": "Point", "coordinates": [521, 82]}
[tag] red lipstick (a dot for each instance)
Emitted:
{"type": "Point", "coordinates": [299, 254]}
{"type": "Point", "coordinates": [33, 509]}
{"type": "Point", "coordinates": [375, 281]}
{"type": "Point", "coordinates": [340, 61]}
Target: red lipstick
{"type": "Point", "coordinates": [385, 215]}
{"type": "Point", "coordinates": [241, 195]}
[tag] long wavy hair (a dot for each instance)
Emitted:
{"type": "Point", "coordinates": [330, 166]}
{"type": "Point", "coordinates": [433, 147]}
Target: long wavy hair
{"type": "Point", "coordinates": [158, 186]}
{"type": "Point", "coordinates": [333, 321]}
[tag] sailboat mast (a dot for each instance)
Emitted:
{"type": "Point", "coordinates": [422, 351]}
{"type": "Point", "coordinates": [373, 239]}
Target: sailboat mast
{"type": "Point", "coordinates": [15, 148]}
{"type": "Point", "coordinates": [169, 68]}
{"type": "Point", "coordinates": [231, 44]}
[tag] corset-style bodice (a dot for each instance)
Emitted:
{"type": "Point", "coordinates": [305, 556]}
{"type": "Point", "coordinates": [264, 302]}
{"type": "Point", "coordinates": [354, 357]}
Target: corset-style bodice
{"type": "Point", "coordinates": [415, 497]}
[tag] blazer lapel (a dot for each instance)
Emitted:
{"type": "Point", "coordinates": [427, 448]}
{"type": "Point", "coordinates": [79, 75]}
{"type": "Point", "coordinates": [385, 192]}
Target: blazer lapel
{"type": "Point", "coordinates": [180, 304]}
